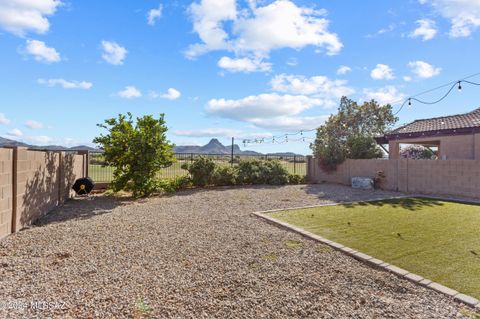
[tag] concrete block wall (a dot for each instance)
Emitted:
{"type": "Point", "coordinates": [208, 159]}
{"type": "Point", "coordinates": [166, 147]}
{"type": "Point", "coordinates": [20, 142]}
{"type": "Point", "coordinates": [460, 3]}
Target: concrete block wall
{"type": "Point", "coordinates": [32, 183]}
{"type": "Point", "coordinates": [6, 199]}
{"type": "Point", "coordinates": [449, 177]}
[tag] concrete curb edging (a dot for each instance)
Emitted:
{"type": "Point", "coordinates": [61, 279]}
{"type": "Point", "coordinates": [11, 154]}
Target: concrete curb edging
{"type": "Point", "coordinates": [369, 260]}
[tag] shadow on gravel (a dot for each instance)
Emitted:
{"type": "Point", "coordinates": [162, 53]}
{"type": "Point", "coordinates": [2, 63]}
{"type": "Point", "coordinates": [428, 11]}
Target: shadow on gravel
{"type": "Point", "coordinates": [340, 193]}
{"type": "Point", "coordinates": [82, 208]}
{"type": "Point", "coordinates": [223, 188]}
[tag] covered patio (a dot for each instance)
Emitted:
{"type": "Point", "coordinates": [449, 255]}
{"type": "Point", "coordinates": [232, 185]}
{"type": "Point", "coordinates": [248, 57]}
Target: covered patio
{"type": "Point", "coordinates": [456, 137]}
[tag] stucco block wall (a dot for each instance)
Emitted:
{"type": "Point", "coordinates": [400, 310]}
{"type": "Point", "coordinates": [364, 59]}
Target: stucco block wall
{"type": "Point", "coordinates": [6, 200]}
{"type": "Point", "coordinates": [450, 177]}
{"type": "Point", "coordinates": [32, 183]}
{"type": "Point", "coordinates": [37, 185]}
{"type": "Point", "coordinates": [455, 147]}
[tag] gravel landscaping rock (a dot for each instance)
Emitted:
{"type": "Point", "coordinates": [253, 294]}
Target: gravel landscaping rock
{"type": "Point", "coordinates": [198, 254]}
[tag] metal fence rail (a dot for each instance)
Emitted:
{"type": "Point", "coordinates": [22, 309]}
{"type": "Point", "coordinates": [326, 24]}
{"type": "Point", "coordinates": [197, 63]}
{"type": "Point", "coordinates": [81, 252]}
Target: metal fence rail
{"type": "Point", "coordinates": [295, 164]}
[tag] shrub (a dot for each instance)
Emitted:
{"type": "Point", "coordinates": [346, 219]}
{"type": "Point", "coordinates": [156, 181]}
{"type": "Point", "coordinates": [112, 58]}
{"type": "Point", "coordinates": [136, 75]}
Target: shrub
{"type": "Point", "coordinates": [225, 176]}
{"type": "Point", "coordinates": [296, 179]}
{"type": "Point", "coordinates": [174, 185]}
{"type": "Point", "coordinates": [275, 173]}
{"type": "Point", "coordinates": [262, 172]}
{"type": "Point", "coordinates": [249, 172]}
{"type": "Point", "coordinates": [202, 171]}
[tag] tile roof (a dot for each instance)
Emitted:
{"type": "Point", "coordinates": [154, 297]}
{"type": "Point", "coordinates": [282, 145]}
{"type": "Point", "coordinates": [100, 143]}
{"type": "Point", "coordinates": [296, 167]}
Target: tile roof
{"type": "Point", "coordinates": [452, 122]}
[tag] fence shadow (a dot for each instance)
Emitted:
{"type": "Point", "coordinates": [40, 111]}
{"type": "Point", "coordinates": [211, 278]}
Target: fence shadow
{"type": "Point", "coordinates": [82, 209]}
{"type": "Point", "coordinates": [41, 191]}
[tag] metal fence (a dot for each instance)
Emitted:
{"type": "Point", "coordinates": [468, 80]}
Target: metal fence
{"type": "Point", "coordinates": [100, 173]}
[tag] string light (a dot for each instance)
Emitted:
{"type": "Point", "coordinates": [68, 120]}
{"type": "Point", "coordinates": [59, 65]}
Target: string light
{"type": "Point", "coordinates": [458, 84]}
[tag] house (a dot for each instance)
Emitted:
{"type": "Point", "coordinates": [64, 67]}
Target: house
{"type": "Point", "coordinates": [457, 137]}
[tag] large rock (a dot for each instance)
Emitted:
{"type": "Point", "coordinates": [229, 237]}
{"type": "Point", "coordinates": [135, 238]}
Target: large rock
{"type": "Point", "coordinates": [362, 182]}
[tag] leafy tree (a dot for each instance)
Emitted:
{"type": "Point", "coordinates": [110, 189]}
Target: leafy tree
{"type": "Point", "coordinates": [350, 133]}
{"type": "Point", "coordinates": [417, 152]}
{"type": "Point", "coordinates": [137, 151]}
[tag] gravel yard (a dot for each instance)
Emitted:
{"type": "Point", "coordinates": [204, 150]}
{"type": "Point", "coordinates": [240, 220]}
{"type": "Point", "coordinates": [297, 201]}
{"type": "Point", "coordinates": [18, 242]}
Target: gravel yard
{"type": "Point", "coordinates": [197, 254]}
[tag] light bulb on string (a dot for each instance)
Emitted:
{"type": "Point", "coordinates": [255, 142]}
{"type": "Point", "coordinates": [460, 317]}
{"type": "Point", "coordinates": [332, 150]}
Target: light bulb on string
{"type": "Point", "coordinates": [409, 102]}
{"type": "Point", "coordinates": [459, 86]}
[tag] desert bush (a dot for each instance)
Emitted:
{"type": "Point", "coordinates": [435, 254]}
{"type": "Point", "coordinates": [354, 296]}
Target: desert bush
{"type": "Point", "coordinates": [262, 172]}
{"type": "Point", "coordinates": [175, 184]}
{"type": "Point", "coordinates": [295, 179]}
{"type": "Point", "coordinates": [225, 176]}
{"type": "Point", "coordinates": [202, 171]}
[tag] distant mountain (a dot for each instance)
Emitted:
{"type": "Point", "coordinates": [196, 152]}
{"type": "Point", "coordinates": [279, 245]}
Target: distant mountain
{"type": "Point", "coordinates": [213, 147]}
{"type": "Point", "coordinates": [85, 148]}
{"type": "Point", "coordinates": [7, 142]}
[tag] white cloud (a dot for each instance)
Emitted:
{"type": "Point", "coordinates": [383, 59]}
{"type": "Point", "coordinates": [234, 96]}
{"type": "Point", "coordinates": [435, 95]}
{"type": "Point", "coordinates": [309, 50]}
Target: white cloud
{"type": "Point", "coordinates": [129, 92]}
{"type": "Point", "coordinates": [154, 14]}
{"type": "Point", "coordinates": [386, 95]}
{"type": "Point", "coordinates": [423, 69]}
{"type": "Point", "coordinates": [292, 62]}
{"type": "Point", "coordinates": [245, 65]}
{"type": "Point", "coordinates": [263, 106]}
{"type": "Point", "coordinates": [208, 17]}
{"type": "Point", "coordinates": [15, 133]}
{"type": "Point", "coordinates": [391, 27]}
{"type": "Point", "coordinates": [321, 87]}
{"type": "Point", "coordinates": [21, 16]}
{"type": "Point", "coordinates": [464, 15]}
{"type": "Point", "coordinates": [343, 69]}
{"type": "Point", "coordinates": [291, 123]}
{"type": "Point", "coordinates": [113, 53]}
{"type": "Point", "coordinates": [66, 84]}
{"type": "Point", "coordinates": [4, 120]}
{"type": "Point", "coordinates": [41, 52]}
{"type": "Point", "coordinates": [39, 140]}
{"type": "Point", "coordinates": [426, 29]}
{"type": "Point", "coordinates": [407, 78]}
{"type": "Point", "coordinates": [208, 132]}
{"type": "Point", "coordinates": [171, 94]}
{"type": "Point", "coordinates": [382, 72]}
{"type": "Point", "coordinates": [258, 30]}
{"type": "Point", "coordinates": [34, 124]}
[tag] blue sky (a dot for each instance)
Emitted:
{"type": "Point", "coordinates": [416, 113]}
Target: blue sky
{"type": "Point", "coordinates": [222, 68]}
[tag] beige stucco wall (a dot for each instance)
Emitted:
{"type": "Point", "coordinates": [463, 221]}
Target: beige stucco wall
{"type": "Point", "coordinates": [456, 147]}
{"type": "Point", "coordinates": [34, 182]}
{"type": "Point", "coordinates": [6, 200]}
{"type": "Point", "coordinates": [449, 177]}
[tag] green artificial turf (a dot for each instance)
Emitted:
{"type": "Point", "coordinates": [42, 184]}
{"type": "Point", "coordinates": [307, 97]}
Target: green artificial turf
{"type": "Point", "coordinates": [439, 240]}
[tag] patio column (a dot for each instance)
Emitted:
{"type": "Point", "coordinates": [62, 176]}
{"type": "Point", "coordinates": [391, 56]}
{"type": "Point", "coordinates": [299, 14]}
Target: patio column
{"type": "Point", "coordinates": [393, 150]}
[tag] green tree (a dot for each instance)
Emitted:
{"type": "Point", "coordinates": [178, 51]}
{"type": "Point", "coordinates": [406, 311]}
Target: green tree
{"type": "Point", "coordinates": [350, 133]}
{"type": "Point", "coordinates": [137, 151]}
